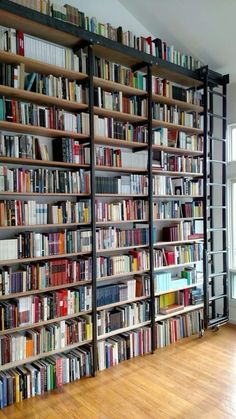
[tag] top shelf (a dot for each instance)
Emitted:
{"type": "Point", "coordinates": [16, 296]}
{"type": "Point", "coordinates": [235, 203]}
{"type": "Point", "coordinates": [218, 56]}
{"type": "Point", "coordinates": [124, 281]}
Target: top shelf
{"type": "Point", "coordinates": [64, 33]}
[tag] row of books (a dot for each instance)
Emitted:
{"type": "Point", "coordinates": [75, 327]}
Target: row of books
{"type": "Point", "coordinates": [113, 237]}
{"type": "Point", "coordinates": [110, 128]}
{"type": "Point", "coordinates": [164, 282]}
{"type": "Point", "coordinates": [173, 302]}
{"type": "Point", "coordinates": [43, 180]}
{"type": "Point", "coordinates": [174, 115]}
{"type": "Point", "coordinates": [18, 42]}
{"type": "Point", "coordinates": [168, 89]}
{"type": "Point", "coordinates": [22, 146]}
{"type": "Point", "coordinates": [20, 346]}
{"type": "Point", "coordinates": [44, 375]}
{"type": "Point", "coordinates": [175, 255]}
{"type": "Point", "coordinates": [156, 47]}
{"type": "Point", "coordinates": [175, 209]}
{"type": "Point", "coordinates": [33, 245]}
{"type": "Point", "coordinates": [106, 156]}
{"type": "Point", "coordinates": [132, 184]}
{"type": "Point", "coordinates": [40, 116]}
{"type": "Point", "coordinates": [119, 74]}
{"type": "Point", "coordinates": [171, 330]}
{"type": "Point", "coordinates": [121, 317]}
{"type": "Point", "coordinates": [69, 150]}
{"type": "Point", "coordinates": [25, 311]}
{"type": "Point", "coordinates": [43, 275]}
{"type": "Point", "coordinates": [115, 101]}
{"type": "Point", "coordinates": [165, 185]}
{"type": "Point", "coordinates": [19, 213]}
{"type": "Point", "coordinates": [116, 265]}
{"type": "Point", "coordinates": [177, 139]}
{"type": "Point", "coordinates": [124, 210]}
{"type": "Point", "coordinates": [186, 230]}
{"type": "Point", "coordinates": [125, 346]}
{"type": "Point", "coordinates": [165, 161]}
{"type": "Point", "coordinates": [123, 291]}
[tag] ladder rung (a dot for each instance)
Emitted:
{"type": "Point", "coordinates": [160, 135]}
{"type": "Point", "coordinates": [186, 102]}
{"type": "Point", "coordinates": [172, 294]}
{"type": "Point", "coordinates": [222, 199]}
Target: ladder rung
{"type": "Point", "coordinates": [217, 161]}
{"type": "Point", "coordinates": [218, 297]}
{"type": "Point", "coordinates": [216, 139]}
{"type": "Point", "coordinates": [216, 229]}
{"type": "Point", "coordinates": [217, 274]}
{"type": "Point", "coordinates": [217, 93]}
{"type": "Point", "coordinates": [215, 115]}
{"type": "Point", "coordinates": [216, 252]}
{"type": "Point", "coordinates": [217, 207]}
{"type": "Point", "coordinates": [222, 185]}
{"type": "Point", "coordinates": [218, 320]}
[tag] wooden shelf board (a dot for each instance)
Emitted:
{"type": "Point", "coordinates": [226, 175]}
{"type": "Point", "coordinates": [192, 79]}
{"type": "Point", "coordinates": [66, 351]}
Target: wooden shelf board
{"type": "Point", "coordinates": [180, 265]}
{"type": "Point", "coordinates": [183, 128]}
{"type": "Point", "coordinates": [122, 275]}
{"type": "Point", "coordinates": [33, 226]}
{"type": "Point", "coordinates": [177, 289]}
{"type": "Point", "coordinates": [44, 132]}
{"type": "Point", "coordinates": [177, 219]}
{"type": "Point", "coordinates": [34, 358]}
{"type": "Point", "coordinates": [119, 143]}
{"type": "Point", "coordinates": [38, 259]}
{"type": "Point", "coordinates": [32, 65]}
{"type": "Point", "coordinates": [124, 329]}
{"type": "Point", "coordinates": [176, 150]}
{"type": "Point", "coordinates": [43, 323]}
{"type": "Point", "coordinates": [42, 194]}
{"type": "Point", "coordinates": [176, 174]}
{"type": "Point", "coordinates": [180, 103]}
{"type": "Point", "coordinates": [101, 223]}
{"type": "Point", "coordinates": [43, 290]}
{"type": "Point", "coordinates": [47, 163]}
{"type": "Point", "coordinates": [171, 243]}
{"type": "Point", "coordinates": [119, 87]}
{"type": "Point", "coordinates": [120, 303]}
{"type": "Point", "coordinates": [187, 309]}
{"type": "Point", "coordinates": [119, 195]}
{"type": "Point", "coordinates": [41, 99]}
{"type": "Point", "coordinates": [178, 196]}
{"type": "Point", "coordinates": [122, 116]}
{"type": "Point", "coordinates": [119, 249]}
{"type": "Point", "coordinates": [120, 169]}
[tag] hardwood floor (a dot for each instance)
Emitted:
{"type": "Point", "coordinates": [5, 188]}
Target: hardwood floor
{"type": "Point", "coordinates": [195, 378]}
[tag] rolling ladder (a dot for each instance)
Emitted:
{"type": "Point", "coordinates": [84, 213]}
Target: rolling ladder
{"type": "Point", "coordinates": [215, 264]}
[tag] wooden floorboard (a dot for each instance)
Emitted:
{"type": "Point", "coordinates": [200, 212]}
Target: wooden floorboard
{"type": "Point", "coordinates": [195, 378]}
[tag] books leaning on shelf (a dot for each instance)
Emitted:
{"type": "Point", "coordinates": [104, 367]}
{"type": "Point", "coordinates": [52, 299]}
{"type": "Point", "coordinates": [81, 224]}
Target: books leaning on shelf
{"type": "Point", "coordinates": [114, 238]}
{"type": "Point", "coordinates": [27, 213]}
{"type": "Point", "coordinates": [173, 302]}
{"type": "Point", "coordinates": [116, 157]}
{"type": "Point", "coordinates": [165, 161]}
{"type": "Point", "coordinates": [124, 210]}
{"type": "Point", "coordinates": [135, 260]}
{"type": "Point", "coordinates": [116, 101]}
{"type": "Point", "coordinates": [171, 330]}
{"type": "Point", "coordinates": [177, 139]}
{"type": "Point", "coordinates": [182, 231]}
{"type": "Point", "coordinates": [168, 89]}
{"type": "Point", "coordinates": [33, 245]}
{"type": "Point", "coordinates": [175, 255]}
{"type": "Point", "coordinates": [69, 150]}
{"type": "Point", "coordinates": [41, 116]}
{"type": "Point", "coordinates": [163, 281]}
{"type": "Point", "coordinates": [44, 180]}
{"type": "Point", "coordinates": [38, 276]}
{"type": "Point", "coordinates": [122, 347]}
{"type": "Point", "coordinates": [44, 375]}
{"type": "Point", "coordinates": [110, 128]}
{"type": "Point", "coordinates": [120, 317]}
{"type": "Point", "coordinates": [25, 311]}
{"type": "Point", "coordinates": [33, 343]}
{"type": "Point", "coordinates": [166, 185]}
{"type": "Point", "coordinates": [132, 184]}
{"type": "Point", "coordinates": [124, 291]}
{"type": "Point", "coordinates": [175, 209]}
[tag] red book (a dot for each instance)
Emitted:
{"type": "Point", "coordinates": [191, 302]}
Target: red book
{"type": "Point", "coordinates": [20, 43]}
{"type": "Point", "coordinates": [149, 42]}
{"type": "Point", "coordinates": [13, 107]}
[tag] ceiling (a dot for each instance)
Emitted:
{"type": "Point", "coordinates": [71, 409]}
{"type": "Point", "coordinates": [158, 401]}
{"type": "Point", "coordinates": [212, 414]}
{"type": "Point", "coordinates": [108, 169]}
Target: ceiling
{"type": "Point", "coordinates": [204, 28]}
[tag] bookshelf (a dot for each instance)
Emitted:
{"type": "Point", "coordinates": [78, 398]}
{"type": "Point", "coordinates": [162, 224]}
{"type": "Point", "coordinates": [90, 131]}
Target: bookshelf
{"type": "Point", "coordinates": [127, 214]}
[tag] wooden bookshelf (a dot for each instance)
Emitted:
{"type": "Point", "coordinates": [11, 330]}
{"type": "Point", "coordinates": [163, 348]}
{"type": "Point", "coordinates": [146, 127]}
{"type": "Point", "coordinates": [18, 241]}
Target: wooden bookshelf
{"type": "Point", "coordinates": [176, 150]}
{"type": "Point", "coordinates": [179, 103]}
{"type": "Point", "coordinates": [121, 169]}
{"type": "Point", "coordinates": [41, 99]}
{"type": "Point", "coordinates": [123, 330]}
{"type": "Point", "coordinates": [43, 290]}
{"type": "Point", "coordinates": [176, 266]}
{"type": "Point", "coordinates": [109, 85]}
{"type": "Point", "coordinates": [121, 116]}
{"type": "Point", "coordinates": [176, 174]}
{"type": "Point", "coordinates": [36, 66]}
{"type": "Point", "coordinates": [121, 249]}
{"type": "Point", "coordinates": [43, 194]}
{"type": "Point", "coordinates": [43, 323]}
{"type": "Point", "coordinates": [157, 294]}
{"type": "Point", "coordinates": [42, 355]}
{"type": "Point", "coordinates": [178, 196]}
{"type": "Point", "coordinates": [46, 163]}
{"type": "Point", "coordinates": [183, 128]}
{"type": "Point", "coordinates": [117, 195]}
{"type": "Point", "coordinates": [118, 143]}
{"type": "Point", "coordinates": [104, 223]}
{"type": "Point", "coordinates": [121, 303]}
{"type": "Point", "coordinates": [177, 219]}
{"type": "Point", "coordinates": [41, 258]}
{"type": "Point", "coordinates": [44, 132]}
{"type": "Point", "coordinates": [39, 226]}
{"type": "Point", "coordinates": [185, 310]}
{"type": "Point", "coordinates": [170, 243]}
{"type": "Point", "coordinates": [122, 275]}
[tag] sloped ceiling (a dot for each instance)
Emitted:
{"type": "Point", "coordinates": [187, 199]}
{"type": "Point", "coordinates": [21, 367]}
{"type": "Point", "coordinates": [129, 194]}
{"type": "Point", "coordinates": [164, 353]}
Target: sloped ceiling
{"type": "Point", "coordinates": [204, 28]}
